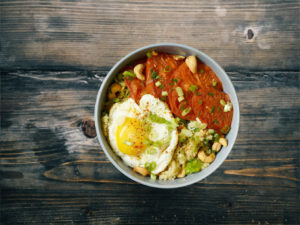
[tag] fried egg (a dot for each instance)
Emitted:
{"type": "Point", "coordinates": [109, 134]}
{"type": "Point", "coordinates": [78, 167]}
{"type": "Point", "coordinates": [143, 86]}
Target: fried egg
{"type": "Point", "coordinates": [143, 135]}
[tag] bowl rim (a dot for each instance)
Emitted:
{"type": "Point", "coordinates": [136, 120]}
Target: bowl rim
{"type": "Point", "coordinates": [101, 136]}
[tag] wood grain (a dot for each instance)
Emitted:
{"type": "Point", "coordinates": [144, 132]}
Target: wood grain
{"type": "Point", "coordinates": [51, 172]}
{"type": "Point", "coordinates": [60, 34]}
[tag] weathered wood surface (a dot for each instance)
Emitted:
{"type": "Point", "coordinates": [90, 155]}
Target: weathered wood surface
{"type": "Point", "coordinates": [257, 35]}
{"type": "Point", "coordinates": [51, 172]}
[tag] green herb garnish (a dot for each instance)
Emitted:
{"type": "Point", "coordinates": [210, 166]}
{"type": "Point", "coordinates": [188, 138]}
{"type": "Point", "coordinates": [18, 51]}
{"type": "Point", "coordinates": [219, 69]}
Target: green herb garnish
{"type": "Point", "coordinates": [193, 166]}
{"type": "Point", "coordinates": [200, 101]}
{"type": "Point", "coordinates": [193, 88]}
{"type": "Point", "coordinates": [214, 83]}
{"type": "Point", "coordinates": [163, 98]}
{"type": "Point", "coordinates": [210, 94]}
{"type": "Point", "coordinates": [179, 91]}
{"type": "Point", "coordinates": [149, 54]}
{"type": "Point", "coordinates": [201, 71]}
{"type": "Point", "coordinates": [154, 74]}
{"type": "Point", "coordinates": [167, 69]}
{"type": "Point", "coordinates": [150, 166]}
{"type": "Point", "coordinates": [128, 74]}
{"type": "Point", "coordinates": [216, 121]}
{"type": "Point", "coordinates": [225, 129]}
{"type": "Point", "coordinates": [212, 109]}
{"type": "Point", "coordinates": [216, 137]}
{"type": "Point", "coordinates": [186, 111]}
{"type": "Point", "coordinates": [174, 80]}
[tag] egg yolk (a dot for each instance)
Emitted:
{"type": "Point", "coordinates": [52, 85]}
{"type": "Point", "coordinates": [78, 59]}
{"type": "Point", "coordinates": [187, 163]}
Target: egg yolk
{"type": "Point", "coordinates": [130, 136]}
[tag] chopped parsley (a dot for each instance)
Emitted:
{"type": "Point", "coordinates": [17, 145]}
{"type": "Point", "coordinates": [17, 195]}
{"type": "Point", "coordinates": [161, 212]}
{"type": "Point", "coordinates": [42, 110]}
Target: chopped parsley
{"type": "Point", "coordinates": [210, 94]}
{"type": "Point", "coordinates": [174, 80]}
{"type": "Point", "coordinates": [201, 71]}
{"type": "Point", "coordinates": [200, 101]}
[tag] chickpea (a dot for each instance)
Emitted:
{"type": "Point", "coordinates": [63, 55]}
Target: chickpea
{"type": "Point", "coordinates": [114, 89]}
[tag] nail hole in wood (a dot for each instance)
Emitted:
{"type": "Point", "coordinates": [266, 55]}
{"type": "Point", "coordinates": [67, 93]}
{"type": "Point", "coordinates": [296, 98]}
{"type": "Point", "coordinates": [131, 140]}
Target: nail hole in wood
{"type": "Point", "coordinates": [88, 128]}
{"type": "Point", "coordinates": [250, 34]}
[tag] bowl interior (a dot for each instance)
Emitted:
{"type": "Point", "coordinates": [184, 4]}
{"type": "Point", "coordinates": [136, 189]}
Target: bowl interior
{"type": "Point", "coordinates": [179, 50]}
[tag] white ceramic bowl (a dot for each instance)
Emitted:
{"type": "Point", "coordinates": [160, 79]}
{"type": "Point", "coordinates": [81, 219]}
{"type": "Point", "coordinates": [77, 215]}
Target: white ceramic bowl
{"type": "Point", "coordinates": [178, 49]}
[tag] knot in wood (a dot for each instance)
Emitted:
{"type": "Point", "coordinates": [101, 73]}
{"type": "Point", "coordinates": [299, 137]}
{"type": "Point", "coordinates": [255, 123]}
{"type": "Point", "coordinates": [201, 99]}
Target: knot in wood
{"type": "Point", "coordinates": [250, 34]}
{"type": "Point", "coordinates": [88, 127]}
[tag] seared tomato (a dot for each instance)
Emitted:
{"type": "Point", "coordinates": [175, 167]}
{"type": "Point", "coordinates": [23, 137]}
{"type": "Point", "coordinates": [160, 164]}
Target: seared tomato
{"type": "Point", "coordinates": [207, 107]}
{"type": "Point", "coordinates": [136, 88]}
{"type": "Point", "coordinates": [202, 91]}
{"type": "Point", "coordinates": [158, 69]}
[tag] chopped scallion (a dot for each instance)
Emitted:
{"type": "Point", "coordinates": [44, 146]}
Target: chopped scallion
{"type": "Point", "coordinates": [222, 102]}
{"type": "Point", "coordinates": [164, 93]}
{"type": "Point", "coordinates": [150, 166]}
{"type": "Point", "coordinates": [210, 94]}
{"type": "Point", "coordinates": [157, 83]}
{"type": "Point", "coordinates": [179, 91]}
{"type": "Point", "coordinates": [214, 83]}
{"type": "Point", "coordinates": [180, 98]}
{"type": "Point", "coordinates": [201, 71]}
{"type": "Point", "coordinates": [153, 74]}
{"type": "Point", "coordinates": [200, 101]}
{"type": "Point", "coordinates": [186, 111]}
{"type": "Point", "coordinates": [128, 74]}
{"type": "Point", "coordinates": [193, 88]}
{"type": "Point", "coordinates": [212, 109]}
{"type": "Point", "coordinates": [153, 176]}
{"type": "Point", "coordinates": [174, 80]}
{"type": "Point", "coordinates": [149, 54]}
{"type": "Point", "coordinates": [227, 107]}
{"type": "Point", "coordinates": [163, 98]}
{"type": "Point", "coordinates": [225, 129]}
{"type": "Point", "coordinates": [167, 69]}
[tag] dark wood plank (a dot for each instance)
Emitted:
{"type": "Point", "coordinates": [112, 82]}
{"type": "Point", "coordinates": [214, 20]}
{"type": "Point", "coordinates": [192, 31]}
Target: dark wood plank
{"type": "Point", "coordinates": [50, 171]}
{"type": "Point", "coordinates": [257, 35]}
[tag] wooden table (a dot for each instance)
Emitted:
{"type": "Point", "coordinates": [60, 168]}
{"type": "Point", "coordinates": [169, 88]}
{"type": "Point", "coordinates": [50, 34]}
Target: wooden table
{"type": "Point", "coordinates": [53, 58]}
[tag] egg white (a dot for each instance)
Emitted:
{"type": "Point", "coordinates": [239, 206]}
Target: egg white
{"type": "Point", "coordinates": [148, 103]}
